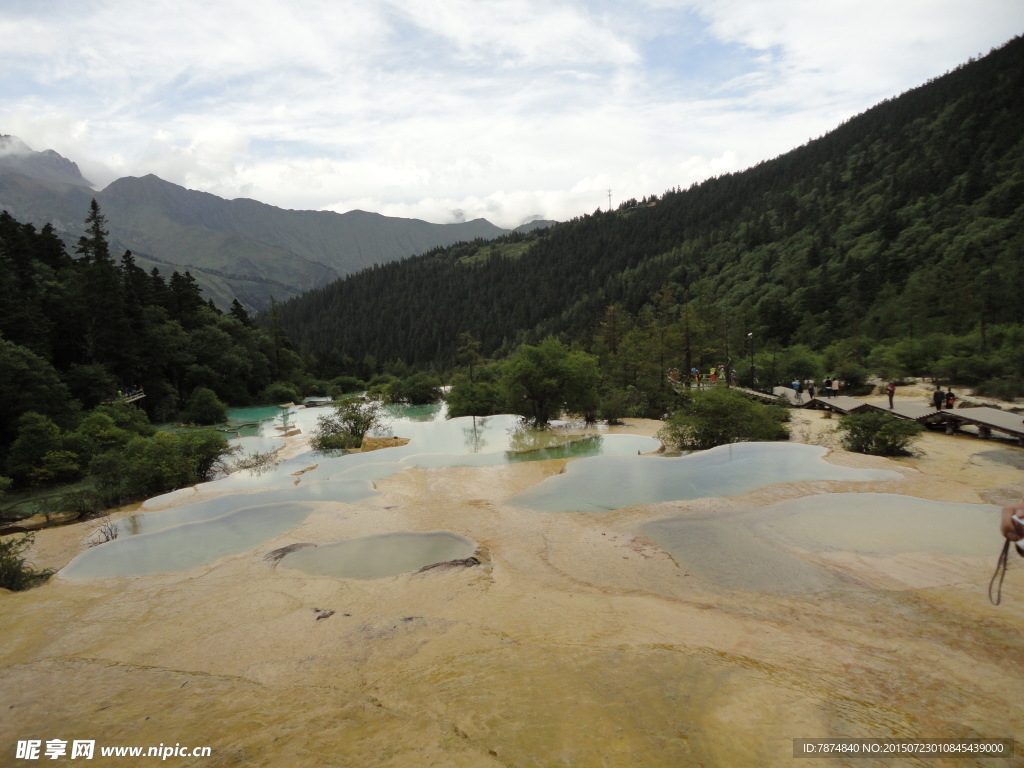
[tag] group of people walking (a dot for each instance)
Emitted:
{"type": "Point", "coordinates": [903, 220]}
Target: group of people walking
{"type": "Point", "coordinates": [714, 375]}
{"type": "Point", "coordinates": [829, 388]}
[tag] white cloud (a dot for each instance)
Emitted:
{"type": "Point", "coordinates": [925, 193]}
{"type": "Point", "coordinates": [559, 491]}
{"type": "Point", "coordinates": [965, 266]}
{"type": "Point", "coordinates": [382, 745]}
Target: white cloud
{"type": "Point", "coordinates": [212, 161]}
{"type": "Point", "coordinates": [500, 108]}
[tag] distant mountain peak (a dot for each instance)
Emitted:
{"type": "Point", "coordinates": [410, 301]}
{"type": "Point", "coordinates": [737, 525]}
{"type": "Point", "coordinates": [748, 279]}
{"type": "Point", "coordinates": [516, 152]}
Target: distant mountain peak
{"type": "Point", "coordinates": [18, 157]}
{"type": "Point", "coordinates": [12, 145]}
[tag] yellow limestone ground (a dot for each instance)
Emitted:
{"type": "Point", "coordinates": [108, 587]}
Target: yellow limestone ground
{"type": "Point", "coordinates": [578, 643]}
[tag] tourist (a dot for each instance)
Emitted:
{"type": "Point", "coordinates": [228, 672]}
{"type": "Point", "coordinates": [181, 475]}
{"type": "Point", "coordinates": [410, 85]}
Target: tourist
{"type": "Point", "coordinates": [796, 388]}
{"type": "Point", "coordinates": [890, 390]}
{"type": "Point", "coordinates": [938, 398]}
{"type": "Point", "coordinates": [828, 387]}
{"type": "Point", "coordinates": [810, 390]}
{"type": "Point", "coordinates": [950, 399]}
{"type": "Point", "coordinates": [835, 387]}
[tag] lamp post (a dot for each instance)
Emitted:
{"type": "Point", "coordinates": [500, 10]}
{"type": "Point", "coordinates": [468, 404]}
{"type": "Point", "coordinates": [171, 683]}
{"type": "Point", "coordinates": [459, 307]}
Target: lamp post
{"type": "Point", "coordinates": [752, 379]}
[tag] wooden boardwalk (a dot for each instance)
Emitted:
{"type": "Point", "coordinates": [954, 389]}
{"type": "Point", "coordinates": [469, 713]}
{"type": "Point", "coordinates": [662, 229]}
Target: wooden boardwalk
{"type": "Point", "coordinates": [922, 414]}
{"type": "Point", "coordinates": [840, 404]}
{"type": "Point", "coordinates": [125, 398]}
{"type": "Point", "coordinates": [986, 420]}
{"type": "Point", "coordinates": [795, 400]}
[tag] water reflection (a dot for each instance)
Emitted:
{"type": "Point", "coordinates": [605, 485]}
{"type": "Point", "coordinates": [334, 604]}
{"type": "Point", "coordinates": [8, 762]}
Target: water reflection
{"type": "Point", "coordinates": [422, 413]}
{"type": "Point", "coordinates": [605, 483]}
{"type": "Point", "coordinates": [249, 446]}
{"type": "Point", "coordinates": [474, 435]}
{"type": "Point", "coordinates": [434, 441]}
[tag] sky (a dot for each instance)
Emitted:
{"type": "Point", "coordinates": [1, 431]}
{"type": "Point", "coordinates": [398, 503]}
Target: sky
{"type": "Point", "coordinates": [450, 110]}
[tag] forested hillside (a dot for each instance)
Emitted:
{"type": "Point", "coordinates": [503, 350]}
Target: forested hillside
{"type": "Point", "coordinates": [903, 221]}
{"type": "Point", "coordinates": [74, 331]}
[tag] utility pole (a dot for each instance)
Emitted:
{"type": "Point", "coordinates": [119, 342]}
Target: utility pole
{"type": "Point", "coordinates": [752, 377]}
{"type": "Point", "coordinates": [609, 199]}
{"type": "Point", "coordinates": [728, 363]}
{"type": "Point", "coordinates": [689, 354]}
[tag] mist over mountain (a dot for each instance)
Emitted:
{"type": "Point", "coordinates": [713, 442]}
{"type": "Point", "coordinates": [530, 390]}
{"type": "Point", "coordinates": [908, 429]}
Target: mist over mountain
{"type": "Point", "coordinates": [240, 248]}
{"type": "Point", "coordinates": [48, 166]}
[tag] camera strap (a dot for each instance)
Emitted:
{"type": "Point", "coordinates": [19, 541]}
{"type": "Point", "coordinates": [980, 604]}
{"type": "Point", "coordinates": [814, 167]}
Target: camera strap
{"type": "Point", "coordinates": [1001, 566]}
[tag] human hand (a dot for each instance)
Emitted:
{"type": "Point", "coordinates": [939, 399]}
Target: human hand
{"type": "Point", "coordinates": [1008, 526]}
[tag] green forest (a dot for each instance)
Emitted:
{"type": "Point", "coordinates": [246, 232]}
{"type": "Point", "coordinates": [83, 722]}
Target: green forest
{"type": "Point", "coordinates": [892, 245]}
{"type": "Point", "coordinates": [78, 332]}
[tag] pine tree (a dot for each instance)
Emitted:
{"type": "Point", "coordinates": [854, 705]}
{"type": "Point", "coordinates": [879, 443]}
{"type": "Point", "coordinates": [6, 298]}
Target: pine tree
{"type": "Point", "coordinates": [238, 312]}
{"type": "Point", "coordinates": [93, 244]}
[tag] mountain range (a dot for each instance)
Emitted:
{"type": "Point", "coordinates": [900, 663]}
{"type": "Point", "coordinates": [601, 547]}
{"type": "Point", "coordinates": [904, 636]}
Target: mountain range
{"type": "Point", "coordinates": [239, 248]}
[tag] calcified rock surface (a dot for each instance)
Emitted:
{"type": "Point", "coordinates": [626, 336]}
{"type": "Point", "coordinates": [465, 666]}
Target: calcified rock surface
{"type": "Point", "coordinates": [578, 642]}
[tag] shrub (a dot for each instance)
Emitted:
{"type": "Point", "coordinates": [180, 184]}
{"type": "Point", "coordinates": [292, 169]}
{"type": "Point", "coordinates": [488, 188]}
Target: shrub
{"type": "Point", "coordinates": [128, 417]}
{"type": "Point", "coordinates": [280, 392]}
{"type": "Point", "coordinates": [712, 417]}
{"type": "Point", "coordinates": [473, 398]}
{"type": "Point", "coordinates": [966, 369]}
{"type": "Point", "coordinates": [57, 467]}
{"type": "Point", "coordinates": [82, 502]}
{"type": "Point", "coordinates": [37, 436]}
{"type": "Point", "coordinates": [854, 378]}
{"type": "Point", "coordinates": [348, 425]}
{"type": "Point", "coordinates": [149, 466]}
{"type": "Point", "coordinates": [204, 407]}
{"type": "Point", "coordinates": [316, 388]}
{"type": "Point", "coordinates": [419, 389]}
{"type": "Point", "coordinates": [1004, 389]}
{"type": "Point", "coordinates": [346, 384]}
{"type": "Point", "coordinates": [97, 433]}
{"type": "Point", "coordinates": [878, 433]}
{"type": "Point", "coordinates": [14, 573]}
